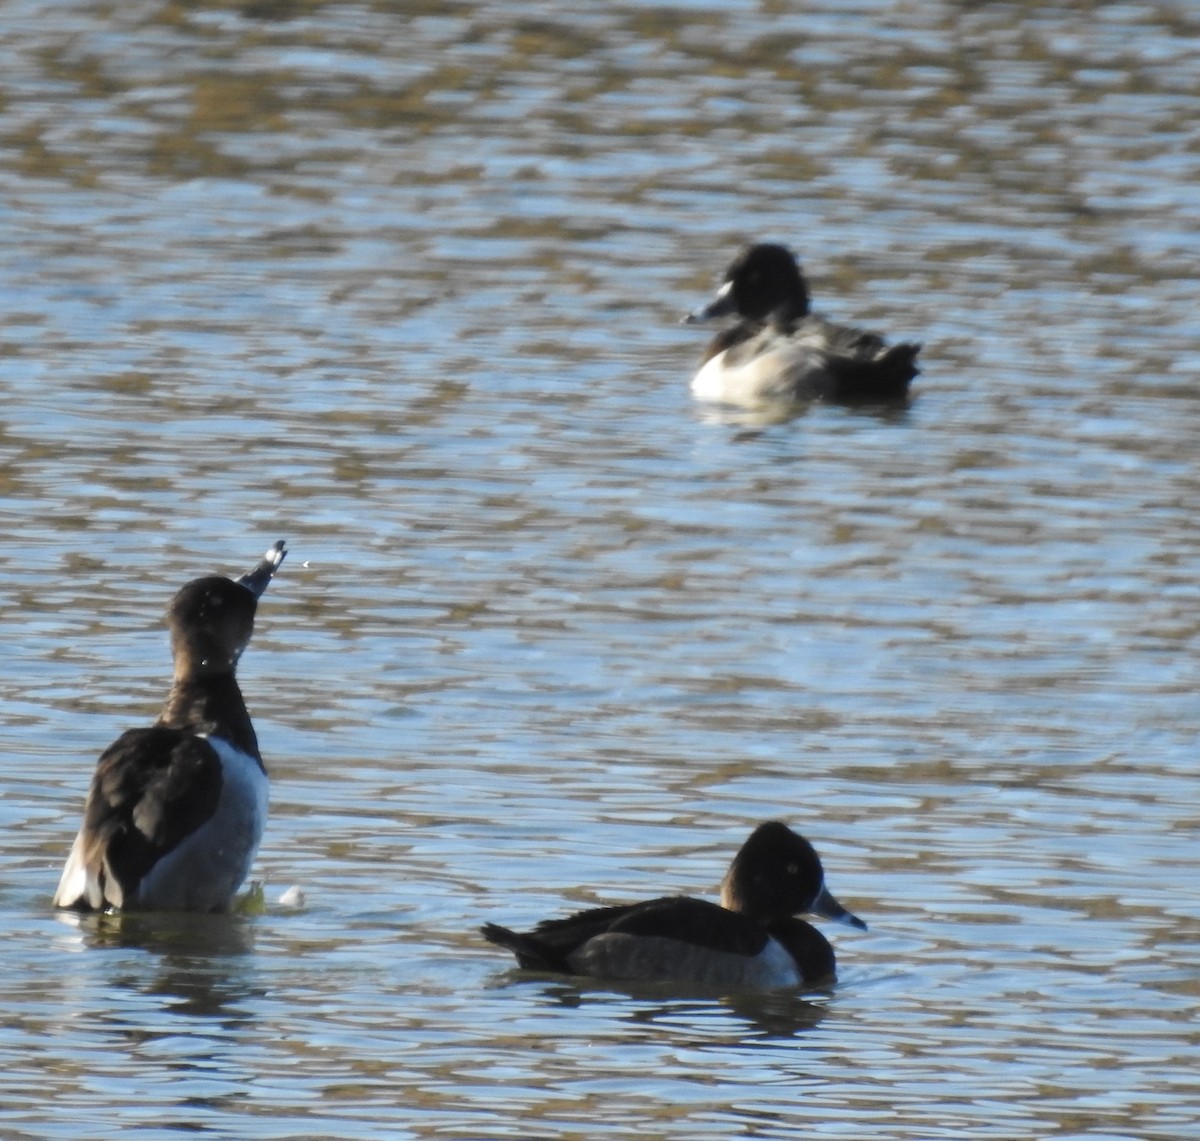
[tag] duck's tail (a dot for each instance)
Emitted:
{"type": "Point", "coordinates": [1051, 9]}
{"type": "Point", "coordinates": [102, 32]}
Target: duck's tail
{"type": "Point", "coordinates": [530, 954]}
{"type": "Point", "coordinates": [882, 377]}
{"type": "Point", "coordinates": [901, 361]}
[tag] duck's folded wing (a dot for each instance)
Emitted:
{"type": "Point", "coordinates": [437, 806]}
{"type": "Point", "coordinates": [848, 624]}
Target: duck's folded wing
{"type": "Point", "coordinates": [151, 790]}
{"type": "Point", "coordinates": [696, 922]}
{"type": "Point", "coordinates": [564, 935]}
{"type": "Point", "coordinates": [549, 945]}
{"type": "Point", "coordinates": [841, 340]}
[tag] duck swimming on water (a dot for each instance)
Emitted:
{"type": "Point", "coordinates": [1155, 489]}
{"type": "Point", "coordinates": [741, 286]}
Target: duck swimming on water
{"type": "Point", "coordinates": [176, 811]}
{"type": "Point", "coordinates": [752, 939]}
{"type": "Point", "coordinates": [778, 351]}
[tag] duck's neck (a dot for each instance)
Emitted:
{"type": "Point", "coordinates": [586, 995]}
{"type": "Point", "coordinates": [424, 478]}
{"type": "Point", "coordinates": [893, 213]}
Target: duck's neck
{"type": "Point", "coordinates": [211, 705]}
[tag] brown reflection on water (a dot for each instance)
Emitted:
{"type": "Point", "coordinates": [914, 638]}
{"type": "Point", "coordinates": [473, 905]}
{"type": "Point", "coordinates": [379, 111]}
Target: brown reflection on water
{"type": "Point", "coordinates": [404, 286]}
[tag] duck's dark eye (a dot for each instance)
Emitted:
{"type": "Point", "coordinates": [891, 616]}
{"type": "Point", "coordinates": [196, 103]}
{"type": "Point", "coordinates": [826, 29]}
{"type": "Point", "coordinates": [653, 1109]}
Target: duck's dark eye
{"type": "Point", "coordinates": [793, 869]}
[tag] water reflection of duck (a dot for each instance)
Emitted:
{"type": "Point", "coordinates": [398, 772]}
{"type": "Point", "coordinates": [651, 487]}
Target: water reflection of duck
{"type": "Point", "coordinates": [779, 351]}
{"type": "Point", "coordinates": [762, 1013]}
{"type": "Point", "coordinates": [751, 940]}
{"type": "Point", "coordinates": [176, 811]}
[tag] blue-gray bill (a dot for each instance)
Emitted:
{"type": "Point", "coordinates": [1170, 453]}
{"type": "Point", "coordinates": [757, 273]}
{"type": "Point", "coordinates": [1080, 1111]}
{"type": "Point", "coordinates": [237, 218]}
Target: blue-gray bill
{"type": "Point", "coordinates": [256, 580]}
{"type": "Point", "coordinates": [828, 907]}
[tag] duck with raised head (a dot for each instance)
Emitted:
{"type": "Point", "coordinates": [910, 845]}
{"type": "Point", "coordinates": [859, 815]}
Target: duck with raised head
{"type": "Point", "coordinates": [176, 811]}
{"type": "Point", "coordinates": [777, 350]}
{"type": "Point", "coordinates": [752, 939]}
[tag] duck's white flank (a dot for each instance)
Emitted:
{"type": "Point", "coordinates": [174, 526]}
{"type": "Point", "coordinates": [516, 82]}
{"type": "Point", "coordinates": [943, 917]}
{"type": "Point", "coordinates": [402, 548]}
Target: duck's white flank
{"type": "Point", "coordinates": [781, 372]}
{"type": "Point", "coordinates": [204, 872]}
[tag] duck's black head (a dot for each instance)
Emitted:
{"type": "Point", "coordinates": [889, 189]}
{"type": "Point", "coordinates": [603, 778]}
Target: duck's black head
{"type": "Point", "coordinates": [777, 873]}
{"type": "Point", "coordinates": [762, 282]}
{"type": "Point", "coordinates": [211, 619]}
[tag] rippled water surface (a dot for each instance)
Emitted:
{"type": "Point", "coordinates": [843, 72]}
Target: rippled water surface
{"type": "Point", "coordinates": [401, 284]}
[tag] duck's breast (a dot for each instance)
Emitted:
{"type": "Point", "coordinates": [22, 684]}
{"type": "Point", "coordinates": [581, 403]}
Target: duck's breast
{"type": "Point", "coordinates": [765, 369]}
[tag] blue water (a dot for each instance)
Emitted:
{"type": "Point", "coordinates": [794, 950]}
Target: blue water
{"type": "Point", "coordinates": [403, 288]}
